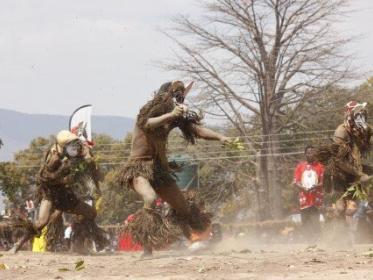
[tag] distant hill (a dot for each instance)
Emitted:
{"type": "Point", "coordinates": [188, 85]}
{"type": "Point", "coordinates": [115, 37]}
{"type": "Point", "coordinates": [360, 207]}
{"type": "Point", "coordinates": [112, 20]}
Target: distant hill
{"type": "Point", "coordinates": [18, 129]}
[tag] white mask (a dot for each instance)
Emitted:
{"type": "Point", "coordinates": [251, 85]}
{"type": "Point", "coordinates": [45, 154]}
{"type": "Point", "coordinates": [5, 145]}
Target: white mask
{"type": "Point", "coordinates": [360, 121]}
{"type": "Point", "coordinates": [72, 149]}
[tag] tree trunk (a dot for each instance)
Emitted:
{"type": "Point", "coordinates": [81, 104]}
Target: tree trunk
{"type": "Point", "coordinates": [274, 182]}
{"type": "Point", "coordinates": [264, 212]}
{"type": "Point", "coordinates": [270, 190]}
{"type": "Point", "coordinates": [264, 189]}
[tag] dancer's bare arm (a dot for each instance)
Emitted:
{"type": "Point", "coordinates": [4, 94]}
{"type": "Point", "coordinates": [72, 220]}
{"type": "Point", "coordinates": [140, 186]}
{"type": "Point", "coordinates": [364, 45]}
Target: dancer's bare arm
{"type": "Point", "coordinates": [208, 134]}
{"type": "Point", "coordinates": [166, 118]}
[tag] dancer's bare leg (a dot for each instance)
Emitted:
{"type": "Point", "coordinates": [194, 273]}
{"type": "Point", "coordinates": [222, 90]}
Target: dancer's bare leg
{"type": "Point", "coordinates": [172, 195]}
{"type": "Point", "coordinates": [42, 221]}
{"type": "Point", "coordinates": [55, 215]}
{"type": "Point", "coordinates": [193, 223]}
{"type": "Point", "coordinates": [143, 187]}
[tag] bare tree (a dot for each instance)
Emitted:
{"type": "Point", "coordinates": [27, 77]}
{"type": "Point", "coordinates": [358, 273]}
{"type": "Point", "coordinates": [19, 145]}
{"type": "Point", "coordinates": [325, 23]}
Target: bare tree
{"type": "Point", "coordinates": [260, 60]}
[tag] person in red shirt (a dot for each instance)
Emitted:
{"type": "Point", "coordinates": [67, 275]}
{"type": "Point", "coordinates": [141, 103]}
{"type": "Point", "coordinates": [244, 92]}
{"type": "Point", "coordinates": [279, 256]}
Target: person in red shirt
{"type": "Point", "coordinates": [308, 178]}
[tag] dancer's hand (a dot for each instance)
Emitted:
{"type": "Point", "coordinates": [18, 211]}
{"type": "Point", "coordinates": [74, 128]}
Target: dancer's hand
{"type": "Point", "coordinates": [226, 140]}
{"type": "Point", "coordinates": [364, 178]}
{"type": "Point", "coordinates": [233, 143]}
{"type": "Point", "coordinates": [178, 111]}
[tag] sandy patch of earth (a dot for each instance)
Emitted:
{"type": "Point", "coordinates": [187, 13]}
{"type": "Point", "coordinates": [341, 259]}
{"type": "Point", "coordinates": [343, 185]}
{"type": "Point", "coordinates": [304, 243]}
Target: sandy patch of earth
{"type": "Point", "coordinates": [235, 261]}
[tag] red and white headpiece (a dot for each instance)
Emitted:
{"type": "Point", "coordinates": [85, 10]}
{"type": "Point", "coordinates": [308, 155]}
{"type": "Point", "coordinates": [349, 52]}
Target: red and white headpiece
{"type": "Point", "coordinates": [356, 115]}
{"type": "Point", "coordinates": [353, 107]}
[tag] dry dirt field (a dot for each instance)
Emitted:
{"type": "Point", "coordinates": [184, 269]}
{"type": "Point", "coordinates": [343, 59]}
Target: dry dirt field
{"type": "Point", "coordinates": [234, 260]}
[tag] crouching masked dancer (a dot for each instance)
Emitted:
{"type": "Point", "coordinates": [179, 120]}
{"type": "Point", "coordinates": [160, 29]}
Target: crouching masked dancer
{"type": "Point", "coordinates": [149, 174]}
{"type": "Point", "coordinates": [55, 179]}
{"type": "Point", "coordinates": [344, 157]}
{"type": "Point", "coordinates": [86, 187]}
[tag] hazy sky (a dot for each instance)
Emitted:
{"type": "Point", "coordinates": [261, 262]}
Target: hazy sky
{"type": "Point", "coordinates": [56, 55]}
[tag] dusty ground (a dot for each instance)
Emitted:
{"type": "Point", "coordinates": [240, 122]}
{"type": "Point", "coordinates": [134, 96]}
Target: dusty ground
{"type": "Point", "coordinates": [235, 261]}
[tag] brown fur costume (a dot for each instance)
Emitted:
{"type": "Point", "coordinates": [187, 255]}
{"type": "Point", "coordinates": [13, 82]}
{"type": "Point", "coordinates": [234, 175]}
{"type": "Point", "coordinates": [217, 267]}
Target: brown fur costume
{"type": "Point", "coordinates": [55, 179]}
{"type": "Point", "coordinates": [350, 151]}
{"type": "Point", "coordinates": [52, 179]}
{"type": "Point", "coordinates": [334, 178]}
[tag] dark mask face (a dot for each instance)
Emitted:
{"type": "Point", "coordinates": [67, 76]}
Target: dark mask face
{"type": "Point", "coordinates": [178, 96]}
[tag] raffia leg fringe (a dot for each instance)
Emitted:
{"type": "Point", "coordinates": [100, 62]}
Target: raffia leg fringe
{"type": "Point", "coordinates": [25, 229]}
{"type": "Point", "coordinates": [152, 230]}
{"type": "Point", "coordinates": [12, 230]}
{"type": "Point", "coordinates": [55, 234]}
{"type": "Point", "coordinates": [88, 229]}
{"type": "Point", "coordinates": [199, 221]}
{"type": "Point", "coordinates": [24, 226]}
{"type": "Point", "coordinates": [6, 238]}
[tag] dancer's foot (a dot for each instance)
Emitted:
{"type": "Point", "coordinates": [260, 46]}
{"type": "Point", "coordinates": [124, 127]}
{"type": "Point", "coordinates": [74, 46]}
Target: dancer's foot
{"type": "Point", "coordinates": [147, 254]}
{"type": "Point", "coordinates": [15, 248]}
{"type": "Point", "coordinates": [198, 246]}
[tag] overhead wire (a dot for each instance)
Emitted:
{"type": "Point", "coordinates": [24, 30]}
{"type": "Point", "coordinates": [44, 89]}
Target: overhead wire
{"type": "Point", "coordinates": [202, 144]}
{"type": "Point", "coordinates": [205, 145]}
{"type": "Point", "coordinates": [198, 152]}
{"type": "Point", "coordinates": [193, 159]}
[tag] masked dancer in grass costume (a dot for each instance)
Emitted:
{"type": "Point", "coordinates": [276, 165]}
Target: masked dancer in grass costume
{"type": "Point", "coordinates": [345, 171]}
{"type": "Point", "coordinates": [56, 176]}
{"type": "Point", "coordinates": [149, 174]}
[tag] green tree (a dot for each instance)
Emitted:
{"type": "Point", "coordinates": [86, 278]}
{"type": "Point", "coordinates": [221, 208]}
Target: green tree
{"type": "Point", "coordinates": [17, 178]}
{"type": "Point", "coordinates": [118, 202]}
